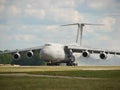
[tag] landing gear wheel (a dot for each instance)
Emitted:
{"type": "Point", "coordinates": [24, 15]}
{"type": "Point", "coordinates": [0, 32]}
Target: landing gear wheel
{"type": "Point", "coordinates": [71, 61]}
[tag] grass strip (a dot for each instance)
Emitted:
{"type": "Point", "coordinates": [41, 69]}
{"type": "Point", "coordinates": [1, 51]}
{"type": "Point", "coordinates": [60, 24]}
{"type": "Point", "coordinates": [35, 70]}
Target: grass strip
{"type": "Point", "coordinates": [82, 73]}
{"type": "Point", "coordinates": [39, 83]}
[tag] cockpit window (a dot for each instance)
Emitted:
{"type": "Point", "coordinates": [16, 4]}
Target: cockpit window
{"type": "Point", "coordinates": [47, 44]}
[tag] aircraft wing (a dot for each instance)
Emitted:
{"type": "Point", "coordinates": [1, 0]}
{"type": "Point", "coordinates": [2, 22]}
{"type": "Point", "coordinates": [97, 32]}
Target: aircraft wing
{"type": "Point", "coordinates": [92, 50]}
{"type": "Point", "coordinates": [22, 50]}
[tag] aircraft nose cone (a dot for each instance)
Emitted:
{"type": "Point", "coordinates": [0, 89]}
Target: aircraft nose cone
{"type": "Point", "coordinates": [52, 53]}
{"type": "Point", "coordinates": [45, 54]}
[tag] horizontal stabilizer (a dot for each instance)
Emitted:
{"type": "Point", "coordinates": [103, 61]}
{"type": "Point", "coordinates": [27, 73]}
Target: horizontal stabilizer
{"type": "Point", "coordinates": [82, 24]}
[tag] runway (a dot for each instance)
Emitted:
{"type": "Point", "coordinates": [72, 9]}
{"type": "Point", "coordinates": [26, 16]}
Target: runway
{"type": "Point", "coordinates": [25, 69]}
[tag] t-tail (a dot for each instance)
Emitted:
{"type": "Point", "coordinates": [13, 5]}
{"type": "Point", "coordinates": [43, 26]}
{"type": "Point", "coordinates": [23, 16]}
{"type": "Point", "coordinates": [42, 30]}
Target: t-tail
{"type": "Point", "coordinates": [80, 30]}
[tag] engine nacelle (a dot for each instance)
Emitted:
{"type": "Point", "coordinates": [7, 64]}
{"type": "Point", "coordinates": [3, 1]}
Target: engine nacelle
{"type": "Point", "coordinates": [17, 56]}
{"type": "Point", "coordinates": [29, 54]}
{"type": "Point", "coordinates": [103, 55]}
{"type": "Point", "coordinates": [86, 54]}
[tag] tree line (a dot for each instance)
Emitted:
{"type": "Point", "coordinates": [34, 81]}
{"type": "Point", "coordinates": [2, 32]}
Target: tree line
{"type": "Point", "coordinates": [24, 60]}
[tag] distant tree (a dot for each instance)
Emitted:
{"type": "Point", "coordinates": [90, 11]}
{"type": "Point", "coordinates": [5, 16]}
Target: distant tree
{"type": "Point", "coordinates": [6, 50]}
{"type": "Point", "coordinates": [24, 60]}
{"type": "Point", "coordinates": [6, 59]}
{"type": "Point", "coordinates": [1, 51]}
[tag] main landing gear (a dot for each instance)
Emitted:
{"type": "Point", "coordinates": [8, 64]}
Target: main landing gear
{"type": "Point", "coordinates": [71, 61]}
{"type": "Point", "coordinates": [70, 57]}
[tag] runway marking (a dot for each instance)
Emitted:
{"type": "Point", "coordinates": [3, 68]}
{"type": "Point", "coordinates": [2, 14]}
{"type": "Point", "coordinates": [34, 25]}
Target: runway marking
{"type": "Point", "coordinates": [51, 76]}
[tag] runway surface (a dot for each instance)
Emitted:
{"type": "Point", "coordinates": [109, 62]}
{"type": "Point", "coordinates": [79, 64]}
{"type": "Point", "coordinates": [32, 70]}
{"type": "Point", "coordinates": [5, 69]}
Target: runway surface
{"type": "Point", "coordinates": [54, 68]}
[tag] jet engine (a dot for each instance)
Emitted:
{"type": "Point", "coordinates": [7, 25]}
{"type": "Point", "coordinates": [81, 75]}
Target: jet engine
{"type": "Point", "coordinates": [29, 54]}
{"type": "Point", "coordinates": [85, 54]}
{"type": "Point", "coordinates": [103, 55]}
{"type": "Point", "coordinates": [17, 56]}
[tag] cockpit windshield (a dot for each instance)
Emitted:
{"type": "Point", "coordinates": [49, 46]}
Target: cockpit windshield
{"type": "Point", "coordinates": [47, 44]}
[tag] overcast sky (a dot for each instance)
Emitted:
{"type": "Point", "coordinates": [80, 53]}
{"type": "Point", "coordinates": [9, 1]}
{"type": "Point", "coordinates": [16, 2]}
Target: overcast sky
{"type": "Point", "coordinates": [28, 23]}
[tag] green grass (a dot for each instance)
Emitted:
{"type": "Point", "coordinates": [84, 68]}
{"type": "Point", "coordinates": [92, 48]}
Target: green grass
{"type": "Point", "coordinates": [83, 73]}
{"type": "Point", "coordinates": [109, 79]}
{"type": "Point", "coordinates": [39, 83]}
{"type": "Point", "coordinates": [66, 71]}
